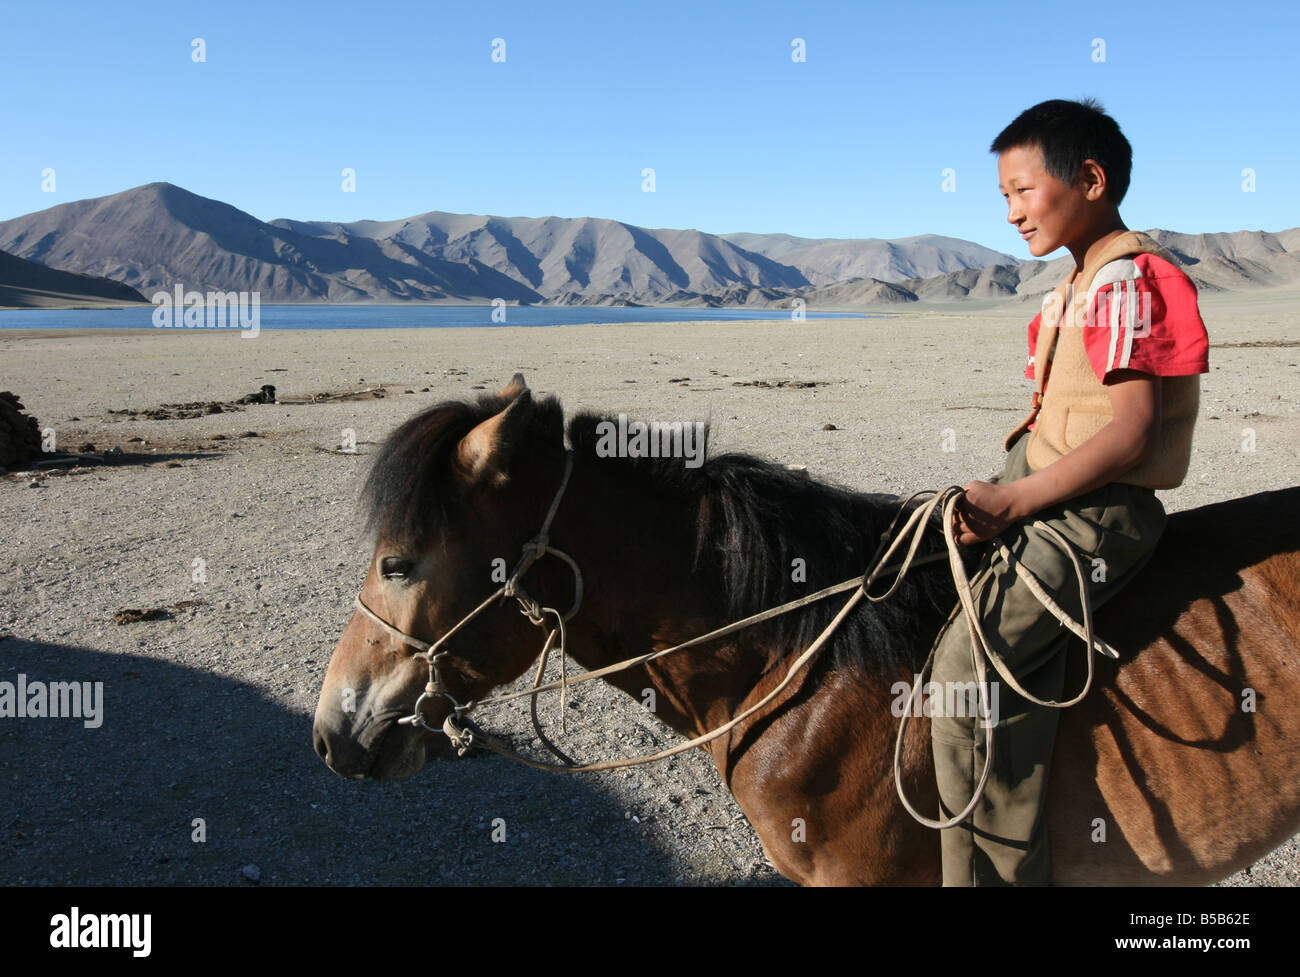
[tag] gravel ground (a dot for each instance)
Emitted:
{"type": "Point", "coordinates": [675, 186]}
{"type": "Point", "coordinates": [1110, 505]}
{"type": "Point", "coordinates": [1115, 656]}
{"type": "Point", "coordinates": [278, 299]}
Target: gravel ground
{"type": "Point", "coordinates": [207, 717]}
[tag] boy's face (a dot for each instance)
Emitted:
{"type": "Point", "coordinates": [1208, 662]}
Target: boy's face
{"type": "Point", "coordinates": [1048, 213]}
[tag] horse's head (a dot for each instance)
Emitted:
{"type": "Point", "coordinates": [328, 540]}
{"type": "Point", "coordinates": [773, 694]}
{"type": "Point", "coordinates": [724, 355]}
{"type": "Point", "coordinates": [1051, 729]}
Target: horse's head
{"type": "Point", "coordinates": [453, 495]}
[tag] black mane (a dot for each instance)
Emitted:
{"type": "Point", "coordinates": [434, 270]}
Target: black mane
{"type": "Point", "coordinates": [761, 516]}
{"type": "Point", "coordinates": [758, 518]}
{"type": "Point", "coordinates": [403, 499]}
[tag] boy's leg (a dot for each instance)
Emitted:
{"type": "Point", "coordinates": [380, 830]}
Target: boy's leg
{"type": "Point", "coordinates": [1003, 841]}
{"type": "Point", "coordinates": [1005, 838]}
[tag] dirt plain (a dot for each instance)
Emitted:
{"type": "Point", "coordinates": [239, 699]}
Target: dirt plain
{"type": "Point", "coordinates": [249, 516]}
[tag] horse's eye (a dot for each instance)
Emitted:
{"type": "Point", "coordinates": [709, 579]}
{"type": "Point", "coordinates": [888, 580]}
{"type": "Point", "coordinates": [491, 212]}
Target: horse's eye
{"type": "Point", "coordinates": [395, 568]}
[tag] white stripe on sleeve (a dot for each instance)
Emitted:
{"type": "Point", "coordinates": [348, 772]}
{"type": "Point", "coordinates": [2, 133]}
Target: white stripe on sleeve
{"type": "Point", "coordinates": [1130, 315]}
{"type": "Point", "coordinates": [1114, 324]}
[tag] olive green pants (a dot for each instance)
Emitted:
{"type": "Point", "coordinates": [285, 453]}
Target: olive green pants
{"type": "Point", "coordinates": [1004, 840]}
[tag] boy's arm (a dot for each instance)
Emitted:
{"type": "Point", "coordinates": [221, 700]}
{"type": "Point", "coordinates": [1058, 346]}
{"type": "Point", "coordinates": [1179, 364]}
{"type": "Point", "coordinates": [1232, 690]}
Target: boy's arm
{"type": "Point", "coordinates": [1117, 448]}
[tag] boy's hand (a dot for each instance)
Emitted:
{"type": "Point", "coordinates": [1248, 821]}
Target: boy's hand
{"type": "Point", "coordinates": [984, 511]}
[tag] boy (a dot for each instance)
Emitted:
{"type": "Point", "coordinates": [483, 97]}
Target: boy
{"type": "Point", "coordinates": [1116, 356]}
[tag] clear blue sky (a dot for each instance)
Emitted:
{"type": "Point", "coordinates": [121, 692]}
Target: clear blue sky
{"type": "Point", "coordinates": [852, 142]}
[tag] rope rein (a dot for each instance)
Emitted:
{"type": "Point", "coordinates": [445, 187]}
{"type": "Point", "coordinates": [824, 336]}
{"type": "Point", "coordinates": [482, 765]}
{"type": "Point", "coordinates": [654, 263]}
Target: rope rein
{"type": "Point", "coordinates": [457, 728]}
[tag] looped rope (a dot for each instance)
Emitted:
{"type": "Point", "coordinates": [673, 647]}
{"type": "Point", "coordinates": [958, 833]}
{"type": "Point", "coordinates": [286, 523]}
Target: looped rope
{"type": "Point", "coordinates": [537, 680]}
{"type": "Point", "coordinates": [531, 551]}
{"type": "Point", "coordinates": [980, 649]}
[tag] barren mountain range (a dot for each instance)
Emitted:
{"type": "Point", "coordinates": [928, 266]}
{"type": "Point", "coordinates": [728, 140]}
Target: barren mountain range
{"type": "Point", "coordinates": [31, 285]}
{"type": "Point", "coordinates": [157, 236]}
{"type": "Point", "coordinates": [1225, 262]}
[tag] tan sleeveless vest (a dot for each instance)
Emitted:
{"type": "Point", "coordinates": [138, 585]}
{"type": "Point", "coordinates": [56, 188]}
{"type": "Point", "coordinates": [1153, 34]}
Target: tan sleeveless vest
{"type": "Point", "coordinates": [1075, 405]}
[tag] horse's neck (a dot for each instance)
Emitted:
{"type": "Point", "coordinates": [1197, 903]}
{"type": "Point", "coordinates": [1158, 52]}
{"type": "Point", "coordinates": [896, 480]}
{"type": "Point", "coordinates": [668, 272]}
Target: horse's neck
{"type": "Point", "coordinates": [660, 599]}
{"type": "Point", "coordinates": [694, 689]}
{"type": "Point", "coordinates": [645, 593]}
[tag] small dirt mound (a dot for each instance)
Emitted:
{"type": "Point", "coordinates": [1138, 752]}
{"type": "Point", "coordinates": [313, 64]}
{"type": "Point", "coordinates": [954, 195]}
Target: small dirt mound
{"type": "Point", "coordinates": [133, 615]}
{"type": "Point", "coordinates": [178, 412]}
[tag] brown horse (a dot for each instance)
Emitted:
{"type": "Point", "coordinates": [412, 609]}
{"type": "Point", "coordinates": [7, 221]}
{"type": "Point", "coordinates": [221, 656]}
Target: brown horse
{"type": "Point", "coordinates": [1181, 766]}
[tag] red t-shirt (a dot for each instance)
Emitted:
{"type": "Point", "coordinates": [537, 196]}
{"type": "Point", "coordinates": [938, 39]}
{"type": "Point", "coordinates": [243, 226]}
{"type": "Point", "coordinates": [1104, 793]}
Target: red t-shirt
{"type": "Point", "coordinates": [1147, 322]}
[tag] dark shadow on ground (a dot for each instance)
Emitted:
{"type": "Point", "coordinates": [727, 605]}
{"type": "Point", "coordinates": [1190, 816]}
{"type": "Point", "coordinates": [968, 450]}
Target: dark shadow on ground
{"type": "Point", "coordinates": [116, 805]}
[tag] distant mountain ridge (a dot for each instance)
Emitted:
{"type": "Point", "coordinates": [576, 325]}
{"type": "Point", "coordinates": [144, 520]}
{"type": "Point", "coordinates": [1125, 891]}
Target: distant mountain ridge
{"type": "Point", "coordinates": [827, 260]}
{"type": "Point", "coordinates": [1223, 262]}
{"type": "Point", "coordinates": [31, 285]}
{"type": "Point", "coordinates": [156, 236]}
{"type": "Point", "coordinates": [566, 259]}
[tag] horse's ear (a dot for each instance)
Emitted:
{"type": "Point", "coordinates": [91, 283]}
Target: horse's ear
{"type": "Point", "coordinates": [514, 388]}
{"type": "Point", "coordinates": [488, 448]}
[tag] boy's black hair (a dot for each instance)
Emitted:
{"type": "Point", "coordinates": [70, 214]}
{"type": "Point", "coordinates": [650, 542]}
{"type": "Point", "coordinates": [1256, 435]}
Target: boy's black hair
{"type": "Point", "coordinates": [1069, 133]}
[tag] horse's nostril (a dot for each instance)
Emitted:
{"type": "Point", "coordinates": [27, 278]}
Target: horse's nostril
{"type": "Point", "coordinates": [322, 748]}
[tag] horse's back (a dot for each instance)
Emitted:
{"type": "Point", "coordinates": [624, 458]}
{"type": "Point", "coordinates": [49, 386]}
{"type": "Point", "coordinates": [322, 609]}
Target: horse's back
{"type": "Point", "coordinates": [1249, 547]}
{"type": "Point", "coordinates": [1183, 765]}
{"type": "Point", "coordinates": [1270, 520]}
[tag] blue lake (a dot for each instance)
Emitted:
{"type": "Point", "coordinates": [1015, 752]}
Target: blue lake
{"type": "Point", "coordinates": [402, 316]}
